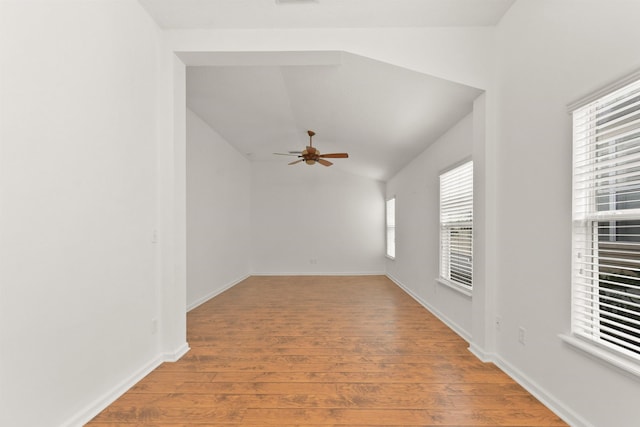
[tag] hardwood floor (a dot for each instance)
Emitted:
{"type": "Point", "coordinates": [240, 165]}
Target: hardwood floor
{"type": "Point", "coordinates": [323, 351]}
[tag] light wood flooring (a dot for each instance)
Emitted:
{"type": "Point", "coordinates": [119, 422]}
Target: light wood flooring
{"type": "Point", "coordinates": [323, 351]}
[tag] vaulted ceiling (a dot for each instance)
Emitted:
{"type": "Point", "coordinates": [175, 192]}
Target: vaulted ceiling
{"type": "Point", "coordinates": [382, 115]}
{"type": "Point", "coordinates": [264, 102]}
{"type": "Point", "coordinates": [325, 13]}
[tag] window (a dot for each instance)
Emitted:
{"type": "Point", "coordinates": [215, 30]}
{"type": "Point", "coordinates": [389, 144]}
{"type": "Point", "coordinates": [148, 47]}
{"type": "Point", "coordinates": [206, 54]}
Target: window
{"type": "Point", "coordinates": [391, 228]}
{"type": "Point", "coordinates": [456, 226]}
{"type": "Point", "coordinates": [606, 221]}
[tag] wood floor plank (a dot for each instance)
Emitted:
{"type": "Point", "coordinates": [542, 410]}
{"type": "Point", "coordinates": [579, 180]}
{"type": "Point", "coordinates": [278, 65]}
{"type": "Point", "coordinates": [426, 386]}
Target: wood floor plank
{"type": "Point", "coordinates": [323, 351]}
{"type": "Point", "coordinates": [412, 417]}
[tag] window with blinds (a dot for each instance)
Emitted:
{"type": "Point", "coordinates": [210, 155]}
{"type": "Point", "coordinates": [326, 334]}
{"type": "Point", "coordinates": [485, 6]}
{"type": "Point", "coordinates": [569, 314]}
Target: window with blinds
{"type": "Point", "coordinates": [456, 226]}
{"type": "Point", "coordinates": [606, 221]}
{"type": "Point", "coordinates": [391, 228]}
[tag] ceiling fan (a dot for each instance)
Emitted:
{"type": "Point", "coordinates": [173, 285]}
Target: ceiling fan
{"type": "Point", "coordinates": [311, 155]}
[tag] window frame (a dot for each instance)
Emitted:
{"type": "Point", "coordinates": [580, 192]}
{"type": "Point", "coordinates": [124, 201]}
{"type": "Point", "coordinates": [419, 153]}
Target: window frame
{"type": "Point", "coordinates": [595, 230]}
{"type": "Point", "coordinates": [389, 227]}
{"type": "Point", "coordinates": [446, 227]}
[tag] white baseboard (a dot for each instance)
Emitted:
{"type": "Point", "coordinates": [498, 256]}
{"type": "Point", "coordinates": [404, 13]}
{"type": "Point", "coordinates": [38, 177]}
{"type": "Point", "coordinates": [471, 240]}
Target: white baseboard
{"type": "Point", "coordinates": [481, 354]}
{"type": "Point", "coordinates": [538, 392]}
{"type": "Point", "coordinates": [214, 293]}
{"type": "Point", "coordinates": [174, 356]}
{"type": "Point", "coordinates": [94, 408]}
{"type": "Point", "coordinates": [108, 398]}
{"type": "Point", "coordinates": [324, 273]}
{"type": "Point", "coordinates": [555, 405]}
{"type": "Point", "coordinates": [447, 321]}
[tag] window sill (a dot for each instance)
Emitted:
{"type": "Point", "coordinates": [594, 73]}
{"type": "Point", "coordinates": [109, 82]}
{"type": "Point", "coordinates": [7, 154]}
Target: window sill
{"type": "Point", "coordinates": [459, 288]}
{"type": "Point", "coordinates": [603, 355]}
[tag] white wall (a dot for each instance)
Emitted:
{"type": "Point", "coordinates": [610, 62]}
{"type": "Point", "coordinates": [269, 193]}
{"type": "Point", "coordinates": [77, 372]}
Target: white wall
{"type": "Point", "coordinates": [552, 53]}
{"type": "Point", "coordinates": [218, 213]}
{"type": "Point", "coordinates": [78, 197]}
{"type": "Point", "coordinates": [462, 55]}
{"type": "Point", "coordinates": [416, 188]}
{"type": "Point", "coordinates": [315, 220]}
{"type": "Point", "coordinates": [78, 183]}
{"type": "Point", "coordinates": [71, 69]}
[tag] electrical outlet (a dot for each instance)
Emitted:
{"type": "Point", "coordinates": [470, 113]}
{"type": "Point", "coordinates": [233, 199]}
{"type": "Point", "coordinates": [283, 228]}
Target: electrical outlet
{"type": "Point", "coordinates": [313, 261]}
{"type": "Point", "coordinates": [521, 335]}
{"type": "Point", "coordinates": [498, 323]}
{"type": "Point", "coordinates": [154, 326]}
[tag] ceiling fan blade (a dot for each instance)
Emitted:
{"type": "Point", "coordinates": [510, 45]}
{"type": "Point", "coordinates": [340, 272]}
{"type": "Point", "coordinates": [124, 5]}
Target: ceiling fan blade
{"type": "Point", "coordinates": [285, 154]}
{"type": "Point", "coordinates": [324, 162]}
{"type": "Point", "coordinates": [297, 161]}
{"type": "Point", "coordinates": [335, 155]}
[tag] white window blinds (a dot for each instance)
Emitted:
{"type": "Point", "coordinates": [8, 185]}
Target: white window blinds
{"type": "Point", "coordinates": [391, 228]}
{"type": "Point", "coordinates": [606, 221]}
{"type": "Point", "coordinates": [456, 225]}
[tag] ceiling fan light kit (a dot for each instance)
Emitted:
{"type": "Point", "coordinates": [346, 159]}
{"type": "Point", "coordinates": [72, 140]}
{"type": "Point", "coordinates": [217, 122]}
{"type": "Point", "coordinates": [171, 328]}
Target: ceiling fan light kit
{"type": "Point", "coordinates": [311, 155]}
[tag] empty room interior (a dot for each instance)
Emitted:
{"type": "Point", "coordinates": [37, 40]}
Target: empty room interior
{"type": "Point", "coordinates": [320, 212]}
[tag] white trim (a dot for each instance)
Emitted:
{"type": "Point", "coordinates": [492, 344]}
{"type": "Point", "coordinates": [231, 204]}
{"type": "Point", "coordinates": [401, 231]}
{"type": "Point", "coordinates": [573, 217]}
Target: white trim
{"type": "Point", "coordinates": [602, 355]}
{"type": "Point", "coordinates": [617, 84]}
{"type": "Point", "coordinates": [456, 287]}
{"type": "Point", "coordinates": [447, 321]}
{"type": "Point", "coordinates": [177, 354]}
{"type": "Point", "coordinates": [452, 166]}
{"type": "Point", "coordinates": [214, 293]}
{"type": "Point", "coordinates": [551, 402]}
{"type": "Point", "coordinates": [548, 400]}
{"type": "Point", "coordinates": [481, 354]}
{"type": "Point", "coordinates": [98, 405]}
{"type": "Point", "coordinates": [320, 273]}
{"type": "Point", "coordinates": [101, 403]}
{"type": "Point", "coordinates": [456, 202]}
{"type": "Point", "coordinates": [600, 130]}
{"type": "Point", "coordinates": [388, 227]}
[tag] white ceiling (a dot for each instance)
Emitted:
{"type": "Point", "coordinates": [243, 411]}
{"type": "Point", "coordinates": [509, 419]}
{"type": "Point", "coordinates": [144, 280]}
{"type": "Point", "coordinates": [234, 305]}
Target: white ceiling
{"type": "Point", "coordinates": [264, 102]}
{"type": "Point", "coordinates": [381, 114]}
{"type": "Point", "coordinates": [325, 13]}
